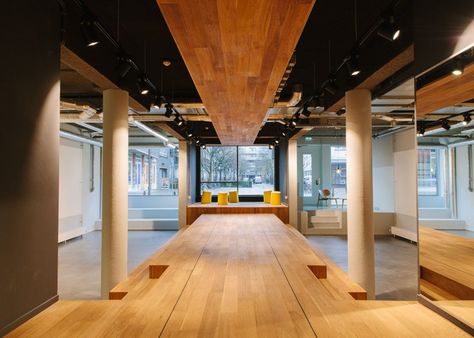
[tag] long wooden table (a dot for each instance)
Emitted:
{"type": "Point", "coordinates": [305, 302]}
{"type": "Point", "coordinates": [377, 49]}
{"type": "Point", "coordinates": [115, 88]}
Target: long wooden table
{"type": "Point", "coordinates": [237, 276]}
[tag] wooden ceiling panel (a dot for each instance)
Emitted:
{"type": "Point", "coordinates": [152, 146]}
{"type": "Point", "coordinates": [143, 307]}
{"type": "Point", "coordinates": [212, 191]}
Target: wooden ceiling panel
{"type": "Point", "coordinates": [447, 91]}
{"type": "Point", "coordinates": [236, 52]}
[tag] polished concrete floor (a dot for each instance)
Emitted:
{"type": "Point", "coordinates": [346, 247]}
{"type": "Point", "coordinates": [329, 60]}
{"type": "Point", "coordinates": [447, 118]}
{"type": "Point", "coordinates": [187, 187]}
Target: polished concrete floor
{"type": "Point", "coordinates": [79, 262]}
{"type": "Point", "coordinates": [396, 264]}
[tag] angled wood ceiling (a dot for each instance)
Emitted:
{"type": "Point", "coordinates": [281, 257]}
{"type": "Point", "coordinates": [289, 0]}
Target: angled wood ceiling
{"type": "Point", "coordinates": [236, 52]}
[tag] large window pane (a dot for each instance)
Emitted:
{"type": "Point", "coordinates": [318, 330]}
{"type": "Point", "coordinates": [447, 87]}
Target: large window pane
{"type": "Point", "coordinates": [338, 171]}
{"type": "Point", "coordinates": [152, 171]}
{"type": "Point", "coordinates": [255, 170]}
{"type": "Point", "coordinates": [307, 175]}
{"type": "Point", "coordinates": [250, 170]}
{"type": "Point", "coordinates": [428, 164]}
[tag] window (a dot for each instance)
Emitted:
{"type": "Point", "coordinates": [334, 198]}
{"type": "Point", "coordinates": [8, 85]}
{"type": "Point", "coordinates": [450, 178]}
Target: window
{"type": "Point", "coordinates": [307, 175]}
{"type": "Point", "coordinates": [152, 171]}
{"type": "Point", "coordinates": [428, 172]}
{"type": "Point", "coordinates": [248, 169]}
{"type": "Point", "coordinates": [339, 171]}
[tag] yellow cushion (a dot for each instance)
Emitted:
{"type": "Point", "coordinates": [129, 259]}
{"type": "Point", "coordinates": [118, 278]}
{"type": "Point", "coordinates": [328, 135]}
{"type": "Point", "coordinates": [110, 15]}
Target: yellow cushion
{"type": "Point", "coordinates": [275, 198]}
{"type": "Point", "coordinates": [222, 198]}
{"type": "Point", "coordinates": [233, 197]}
{"type": "Point", "coordinates": [206, 197]}
{"type": "Point", "coordinates": [267, 196]}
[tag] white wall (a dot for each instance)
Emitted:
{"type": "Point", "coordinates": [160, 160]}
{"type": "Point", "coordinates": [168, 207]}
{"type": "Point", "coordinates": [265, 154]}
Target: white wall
{"type": "Point", "coordinates": [405, 179]}
{"type": "Point", "coordinates": [383, 174]}
{"type": "Point", "coordinates": [79, 208]}
{"type": "Point", "coordinates": [465, 198]}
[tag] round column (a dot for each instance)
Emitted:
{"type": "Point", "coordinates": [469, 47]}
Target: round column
{"type": "Point", "coordinates": [360, 226]}
{"type": "Point", "coordinates": [114, 190]}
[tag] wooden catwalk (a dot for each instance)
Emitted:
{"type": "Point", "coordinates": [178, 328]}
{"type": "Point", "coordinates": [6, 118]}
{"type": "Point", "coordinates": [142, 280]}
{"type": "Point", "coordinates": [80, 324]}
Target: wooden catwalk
{"type": "Point", "coordinates": [237, 276]}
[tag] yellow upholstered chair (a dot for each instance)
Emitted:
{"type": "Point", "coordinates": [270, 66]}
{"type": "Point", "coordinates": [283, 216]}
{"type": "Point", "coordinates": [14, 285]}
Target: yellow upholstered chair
{"type": "Point", "coordinates": [233, 197]}
{"type": "Point", "coordinates": [206, 197]}
{"type": "Point", "coordinates": [275, 198]}
{"type": "Point", "coordinates": [222, 198]}
{"type": "Point", "coordinates": [267, 195]}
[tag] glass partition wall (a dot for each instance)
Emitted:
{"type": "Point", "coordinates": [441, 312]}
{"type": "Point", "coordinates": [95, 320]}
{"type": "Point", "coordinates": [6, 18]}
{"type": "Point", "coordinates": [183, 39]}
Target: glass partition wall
{"type": "Point", "coordinates": [446, 193]}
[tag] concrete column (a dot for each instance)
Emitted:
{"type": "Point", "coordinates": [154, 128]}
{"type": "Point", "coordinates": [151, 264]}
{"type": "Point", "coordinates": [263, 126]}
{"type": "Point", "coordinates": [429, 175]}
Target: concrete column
{"type": "Point", "coordinates": [115, 190]}
{"type": "Point", "coordinates": [293, 182]}
{"type": "Point", "coordinates": [360, 227]}
{"type": "Point", "coordinates": [183, 182]}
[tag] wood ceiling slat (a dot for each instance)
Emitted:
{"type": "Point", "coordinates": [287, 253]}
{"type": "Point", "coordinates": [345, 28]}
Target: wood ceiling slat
{"type": "Point", "coordinates": [447, 91]}
{"type": "Point", "coordinates": [236, 52]}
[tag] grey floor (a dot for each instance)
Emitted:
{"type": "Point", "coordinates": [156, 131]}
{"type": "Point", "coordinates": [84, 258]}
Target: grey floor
{"type": "Point", "coordinates": [79, 261]}
{"type": "Point", "coordinates": [395, 264]}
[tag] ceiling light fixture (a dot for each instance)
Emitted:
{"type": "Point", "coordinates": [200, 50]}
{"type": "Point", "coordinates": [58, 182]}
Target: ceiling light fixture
{"type": "Point", "coordinates": [305, 111]}
{"type": "Point", "coordinates": [142, 85]}
{"type": "Point", "coordinates": [330, 85]}
{"type": "Point", "coordinates": [284, 133]}
{"type": "Point", "coordinates": [156, 103]}
{"type": "Point", "coordinates": [124, 65]}
{"type": "Point", "coordinates": [88, 31]}
{"type": "Point", "coordinates": [179, 120]}
{"type": "Point", "coordinates": [389, 29]}
{"type": "Point", "coordinates": [169, 110]}
{"type": "Point", "coordinates": [467, 119]}
{"type": "Point", "coordinates": [148, 130]}
{"type": "Point", "coordinates": [352, 65]}
{"type": "Point", "coordinates": [445, 124]}
{"type": "Point", "coordinates": [190, 133]}
{"type": "Point", "coordinates": [421, 132]}
{"type": "Point", "coordinates": [457, 67]}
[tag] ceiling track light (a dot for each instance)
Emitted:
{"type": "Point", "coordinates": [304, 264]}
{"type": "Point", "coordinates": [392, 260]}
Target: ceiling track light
{"type": "Point", "coordinates": [352, 65]}
{"type": "Point", "coordinates": [389, 30]}
{"type": "Point", "coordinates": [88, 31]}
{"type": "Point", "coordinates": [305, 111]}
{"type": "Point", "coordinates": [142, 85]}
{"type": "Point", "coordinates": [169, 110]}
{"type": "Point", "coordinates": [284, 133]}
{"type": "Point", "coordinates": [124, 65]}
{"type": "Point", "coordinates": [156, 102]}
{"type": "Point", "coordinates": [467, 119]}
{"type": "Point", "coordinates": [341, 111]}
{"type": "Point", "coordinates": [270, 146]}
{"type": "Point", "coordinates": [421, 132]}
{"type": "Point", "coordinates": [445, 124]}
{"type": "Point", "coordinates": [190, 133]}
{"type": "Point", "coordinates": [197, 141]}
{"type": "Point", "coordinates": [179, 120]}
{"type": "Point", "coordinates": [277, 141]}
{"type": "Point", "coordinates": [457, 67]}
{"type": "Point", "coordinates": [330, 86]}
{"type": "Point", "coordinates": [203, 146]}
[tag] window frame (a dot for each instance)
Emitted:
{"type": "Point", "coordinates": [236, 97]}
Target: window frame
{"type": "Point", "coordinates": [243, 198]}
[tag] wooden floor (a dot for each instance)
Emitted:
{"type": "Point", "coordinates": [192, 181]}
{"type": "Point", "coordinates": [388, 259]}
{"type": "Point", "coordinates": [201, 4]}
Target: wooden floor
{"type": "Point", "coordinates": [237, 276]}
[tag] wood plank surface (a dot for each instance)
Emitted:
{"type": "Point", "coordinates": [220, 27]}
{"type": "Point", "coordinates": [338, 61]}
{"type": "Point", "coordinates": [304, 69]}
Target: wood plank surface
{"type": "Point", "coordinates": [236, 53]}
{"type": "Point", "coordinates": [444, 92]}
{"type": "Point", "coordinates": [236, 276]}
{"type": "Point", "coordinates": [447, 263]}
{"type": "Point", "coordinates": [193, 211]}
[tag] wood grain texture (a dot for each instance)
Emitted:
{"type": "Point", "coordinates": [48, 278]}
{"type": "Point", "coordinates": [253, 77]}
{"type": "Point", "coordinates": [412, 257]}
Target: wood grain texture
{"type": "Point", "coordinates": [193, 211]}
{"type": "Point", "coordinates": [447, 91]}
{"type": "Point", "coordinates": [236, 53]}
{"type": "Point", "coordinates": [237, 276]}
{"type": "Point", "coordinates": [446, 265]}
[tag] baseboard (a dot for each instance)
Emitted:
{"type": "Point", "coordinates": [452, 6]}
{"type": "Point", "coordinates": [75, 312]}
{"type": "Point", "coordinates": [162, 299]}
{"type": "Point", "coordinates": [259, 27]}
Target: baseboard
{"type": "Point", "coordinates": [30, 314]}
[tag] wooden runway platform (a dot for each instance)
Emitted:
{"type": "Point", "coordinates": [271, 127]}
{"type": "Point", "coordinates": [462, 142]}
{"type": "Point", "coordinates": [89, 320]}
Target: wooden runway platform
{"type": "Point", "coordinates": [237, 276]}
